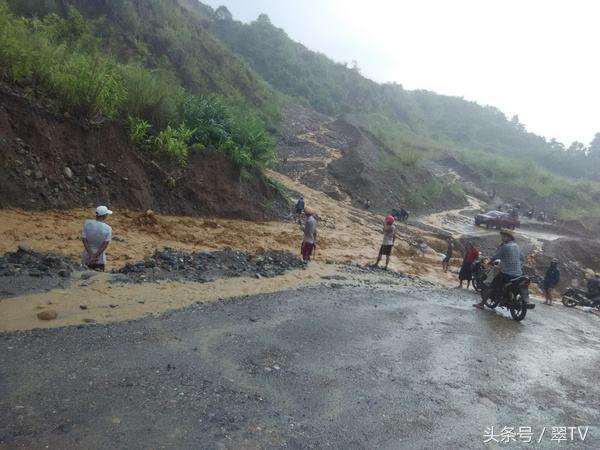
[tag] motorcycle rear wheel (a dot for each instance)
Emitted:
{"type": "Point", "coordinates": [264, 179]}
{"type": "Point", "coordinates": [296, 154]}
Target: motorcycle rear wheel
{"type": "Point", "coordinates": [518, 310]}
{"type": "Point", "coordinates": [569, 302]}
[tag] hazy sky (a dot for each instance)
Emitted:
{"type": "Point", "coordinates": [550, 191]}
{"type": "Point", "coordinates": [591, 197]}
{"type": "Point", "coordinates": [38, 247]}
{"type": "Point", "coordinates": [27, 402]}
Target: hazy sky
{"type": "Point", "coordinates": [538, 59]}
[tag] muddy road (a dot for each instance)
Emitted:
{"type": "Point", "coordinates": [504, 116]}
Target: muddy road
{"type": "Point", "coordinates": [346, 364]}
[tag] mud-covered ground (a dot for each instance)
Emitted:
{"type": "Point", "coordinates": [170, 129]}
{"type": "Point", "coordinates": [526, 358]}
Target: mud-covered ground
{"type": "Point", "coordinates": [344, 365]}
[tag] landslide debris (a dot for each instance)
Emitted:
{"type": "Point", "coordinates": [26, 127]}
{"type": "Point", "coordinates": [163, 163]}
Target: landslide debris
{"type": "Point", "coordinates": [27, 270]}
{"type": "Point", "coordinates": [170, 264]}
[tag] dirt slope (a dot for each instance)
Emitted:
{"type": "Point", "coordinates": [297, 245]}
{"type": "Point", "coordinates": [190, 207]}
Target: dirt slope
{"type": "Point", "coordinates": [50, 161]}
{"type": "Point", "coordinates": [348, 163]}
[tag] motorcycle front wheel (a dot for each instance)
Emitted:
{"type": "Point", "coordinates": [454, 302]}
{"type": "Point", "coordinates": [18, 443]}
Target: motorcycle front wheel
{"type": "Point", "coordinates": [569, 302]}
{"type": "Point", "coordinates": [518, 309]}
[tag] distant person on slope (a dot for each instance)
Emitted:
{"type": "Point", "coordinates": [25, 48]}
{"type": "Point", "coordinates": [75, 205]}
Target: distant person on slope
{"type": "Point", "coordinates": [310, 235]}
{"type": "Point", "coordinates": [551, 280]}
{"type": "Point", "coordinates": [96, 236]}
{"type": "Point", "coordinates": [471, 255]}
{"type": "Point", "coordinates": [300, 206]}
{"type": "Point", "coordinates": [448, 256]}
{"type": "Point", "coordinates": [389, 237]}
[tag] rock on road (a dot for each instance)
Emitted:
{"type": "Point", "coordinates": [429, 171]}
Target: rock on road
{"type": "Point", "coordinates": [316, 367]}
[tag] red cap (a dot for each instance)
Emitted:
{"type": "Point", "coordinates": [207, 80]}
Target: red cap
{"type": "Point", "coordinates": [389, 219]}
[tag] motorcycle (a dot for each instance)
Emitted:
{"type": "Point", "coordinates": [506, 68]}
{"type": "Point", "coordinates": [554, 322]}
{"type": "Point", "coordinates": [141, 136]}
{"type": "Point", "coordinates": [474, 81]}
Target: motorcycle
{"type": "Point", "coordinates": [514, 297]}
{"type": "Point", "coordinates": [576, 297]}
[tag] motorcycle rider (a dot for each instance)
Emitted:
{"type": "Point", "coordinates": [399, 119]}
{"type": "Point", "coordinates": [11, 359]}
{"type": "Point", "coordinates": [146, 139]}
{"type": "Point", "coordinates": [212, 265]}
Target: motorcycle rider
{"type": "Point", "coordinates": [511, 264]}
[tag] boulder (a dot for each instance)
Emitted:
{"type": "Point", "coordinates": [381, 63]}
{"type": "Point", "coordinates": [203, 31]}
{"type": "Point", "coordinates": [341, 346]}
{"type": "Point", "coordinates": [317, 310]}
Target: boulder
{"type": "Point", "coordinates": [49, 314]}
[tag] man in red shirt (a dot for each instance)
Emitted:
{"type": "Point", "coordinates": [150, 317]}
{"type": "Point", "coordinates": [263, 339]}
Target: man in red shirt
{"type": "Point", "coordinates": [471, 255]}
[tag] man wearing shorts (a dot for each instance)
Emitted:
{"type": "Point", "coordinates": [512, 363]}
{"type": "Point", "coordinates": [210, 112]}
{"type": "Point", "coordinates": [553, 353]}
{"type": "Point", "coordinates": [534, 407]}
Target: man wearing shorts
{"type": "Point", "coordinates": [448, 256]}
{"type": "Point", "coordinates": [96, 236]}
{"type": "Point", "coordinates": [310, 235]}
{"type": "Point", "coordinates": [389, 237]}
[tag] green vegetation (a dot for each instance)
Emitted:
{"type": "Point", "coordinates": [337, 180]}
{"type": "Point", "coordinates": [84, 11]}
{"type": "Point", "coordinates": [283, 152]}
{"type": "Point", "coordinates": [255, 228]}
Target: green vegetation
{"type": "Point", "coordinates": [412, 123]}
{"type": "Point", "coordinates": [57, 58]}
{"type": "Point", "coordinates": [525, 175]}
{"type": "Point", "coordinates": [190, 82]}
{"type": "Point", "coordinates": [581, 213]}
{"type": "Point", "coordinates": [209, 122]}
{"type": "Point", "coordinates": [167, 39]}
{"type": "Point", "coordinates": [60, 60]}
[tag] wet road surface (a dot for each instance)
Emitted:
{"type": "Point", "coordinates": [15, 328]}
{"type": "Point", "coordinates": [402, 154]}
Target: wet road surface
{"type": "Point", "coordinates": [332, 366]}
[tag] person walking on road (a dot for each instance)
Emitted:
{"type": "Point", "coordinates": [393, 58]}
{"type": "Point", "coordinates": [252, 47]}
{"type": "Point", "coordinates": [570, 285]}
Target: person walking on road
{"type": "Point", "coordinates": [389, 237]}
{"type": "Point", "coordinates": [448, 256]}
{"type": "Point", "coordinates": [310, 235]}
{"type": "Point", "coordinates": [466, 273]}
{"type": "Point", "coordinates": [96, 236]}
{"type": "Point", "coordinates": [551, 280]}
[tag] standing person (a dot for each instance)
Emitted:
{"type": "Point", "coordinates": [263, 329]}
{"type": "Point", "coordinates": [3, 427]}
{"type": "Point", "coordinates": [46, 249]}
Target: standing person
{"type": "Point", "coordinates": [551, 280]}
{"type": "Point", "coordinates": [403, 214]}
{"type": "Point", "coordinates": [593, 286]}
{"type": "Point", "coordinates": [96, 236]}
{"type": "Point", "coordinates": [511, 264]}
{"type": "Point", "coordinates": [389, 237]}
{"type": "Point", "coordinates": [471, 255]}
{"type": "Point", "coordinates": [310, 235]}
{"type": "Point", "coordinates": [300, 205]}
{"type": "Point", "coordinates": [449, 252]}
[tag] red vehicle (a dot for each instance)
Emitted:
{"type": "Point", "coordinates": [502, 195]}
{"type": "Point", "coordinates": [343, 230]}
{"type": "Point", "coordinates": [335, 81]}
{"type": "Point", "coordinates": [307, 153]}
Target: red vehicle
{"type": "Point", "coordinates": [497, 219]}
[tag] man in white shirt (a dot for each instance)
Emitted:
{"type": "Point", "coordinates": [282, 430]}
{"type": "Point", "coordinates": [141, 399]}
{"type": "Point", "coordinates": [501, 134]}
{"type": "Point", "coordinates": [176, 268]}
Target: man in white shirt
{"type": "Point", "coordinates": [96, 236]}
{"type": "Point", "coordinates": [310, 235]}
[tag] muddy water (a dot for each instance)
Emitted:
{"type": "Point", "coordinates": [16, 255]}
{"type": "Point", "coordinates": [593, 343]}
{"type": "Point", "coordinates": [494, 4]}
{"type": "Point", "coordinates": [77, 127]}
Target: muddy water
{"type": "Point", "coordinates": [346, 235]}
{"type": "Point", "coordinates": [455, 221]}
{"type": "Point", "coordinates": [108, 302]}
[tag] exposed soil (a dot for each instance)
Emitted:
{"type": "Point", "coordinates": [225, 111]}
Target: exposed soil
{"type": "Point", "coordinates": [50, 161]}
{"type": "Point", "coordinates": [349, 164]}
{"type": "Point", "coordinates": [577, 257]}
{"type": "Point", "coordinates": [346, 234]}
